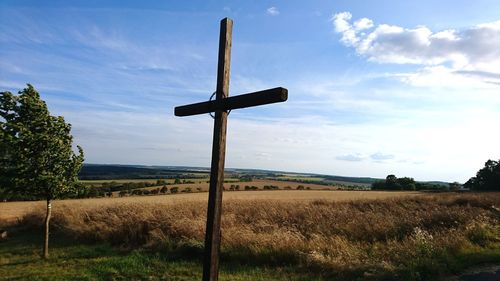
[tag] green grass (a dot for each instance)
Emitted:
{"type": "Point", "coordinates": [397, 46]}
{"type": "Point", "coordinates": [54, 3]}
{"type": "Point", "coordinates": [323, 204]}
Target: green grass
{"type": "Point", "coordinates": [20, 259]}
{"type": "Point", "coordinates": [421, 238]}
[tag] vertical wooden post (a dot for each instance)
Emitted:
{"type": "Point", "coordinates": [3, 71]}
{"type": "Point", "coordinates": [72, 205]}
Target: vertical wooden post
{"type": "Point", "coordinates": [214, 211]}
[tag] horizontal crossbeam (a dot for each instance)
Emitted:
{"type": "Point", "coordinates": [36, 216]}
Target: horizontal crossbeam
{"type": "Point", "coordinates": [247, 100]}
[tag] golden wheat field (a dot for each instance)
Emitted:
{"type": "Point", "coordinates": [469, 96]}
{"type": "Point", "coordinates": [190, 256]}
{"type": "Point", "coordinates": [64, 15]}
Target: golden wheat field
{"type": "Point", "coordinates": [11, 211]}
{"type": "Point", "coordinates": [341, 235]}
{"type": "Point", "coordinates": [332, 234]}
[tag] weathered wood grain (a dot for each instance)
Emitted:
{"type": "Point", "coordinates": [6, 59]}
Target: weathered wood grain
{"type": "Point", "coordinates": [242, 101]}
{"type": "Point", "coordinates": [214, 211]}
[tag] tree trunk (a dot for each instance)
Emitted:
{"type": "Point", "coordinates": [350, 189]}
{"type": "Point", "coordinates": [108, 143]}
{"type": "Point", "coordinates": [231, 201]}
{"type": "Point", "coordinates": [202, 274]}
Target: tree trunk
{"type": "Point", "coordinates": [47, 221]}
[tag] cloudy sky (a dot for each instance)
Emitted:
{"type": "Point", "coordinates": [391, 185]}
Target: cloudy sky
{"type": "Point", "coordinates": [375, 87]}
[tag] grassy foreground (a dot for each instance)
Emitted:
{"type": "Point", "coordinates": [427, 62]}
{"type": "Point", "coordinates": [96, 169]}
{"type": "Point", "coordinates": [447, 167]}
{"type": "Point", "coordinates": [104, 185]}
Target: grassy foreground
{"type": "Point", "coordinates": [20, 259]}
{"type": "Point", "coordinates": [420, 238]}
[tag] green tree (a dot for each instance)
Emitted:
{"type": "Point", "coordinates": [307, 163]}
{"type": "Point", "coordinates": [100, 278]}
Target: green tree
{"type": "Point", "coordinates": [36, 152]}
{"type": "Point", "coordinates": [378, 185]}
{"type": "Point", "coordinates": [406, 183]}
{"type": "Point", "coordinates": [394, 183]}
{"type": "Point", "coordinates": [391, 182]}
{"type": "Point", "coordinates": [454, 186]}
{"type": "Point", "coordinates": [486, 179]}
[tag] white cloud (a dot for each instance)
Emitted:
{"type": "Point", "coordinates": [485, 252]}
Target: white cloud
{"type": "Point", "coordinates": [350, 157]}
{"type": "Point", "coordinates": [273, 11]}
{"type": "Point", "coordinates": [363, 23]}
{"type": "Point", "coordinates": [441, 76]}
{"type": "Point", "coordinates": [472, 54]}
{"type": "Point", "coordinates": [342, 25]}
{"type": "Point", "coordinates": [381, 156]}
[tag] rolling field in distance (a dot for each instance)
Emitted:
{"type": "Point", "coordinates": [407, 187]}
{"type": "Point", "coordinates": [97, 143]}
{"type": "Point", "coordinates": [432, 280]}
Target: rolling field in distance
{"type": "Point", "coordinates": [259, 183]}
{"type": "Point", "coordinates": [170, 181]}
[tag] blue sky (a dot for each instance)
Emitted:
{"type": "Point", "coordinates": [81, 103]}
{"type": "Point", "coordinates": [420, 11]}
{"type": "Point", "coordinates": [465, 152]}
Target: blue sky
{"type": "Point", "coordinates": [375, 87]}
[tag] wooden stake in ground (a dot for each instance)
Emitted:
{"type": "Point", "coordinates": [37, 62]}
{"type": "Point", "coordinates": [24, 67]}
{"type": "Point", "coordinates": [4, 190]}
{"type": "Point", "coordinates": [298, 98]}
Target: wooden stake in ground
{"type": "Point", "coordinates": [221, 105]}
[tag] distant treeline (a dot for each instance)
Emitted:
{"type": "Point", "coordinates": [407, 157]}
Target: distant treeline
{"type": "Point", "coordinates": [110, 172]}
{"type": "Point", "coordinates": [96, 190]}
{"type": "Point", "coordinates": [354, 185]}
{"type": "Point", "coordinates": [156, 191]}
{"type": "Point", "coordinates": [405, 183]}
{"type": "Point", "coordinates": [350, 179]}
{"type": "Point", "coordinates": [91, 190]}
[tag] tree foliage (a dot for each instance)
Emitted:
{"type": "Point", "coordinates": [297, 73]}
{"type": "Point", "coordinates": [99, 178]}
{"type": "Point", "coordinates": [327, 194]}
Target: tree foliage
{"type": "Point", "coordinates": [486, 179]}
{"type": "Point", "coordinates": [36, 156]}
{"type": "Point", "coordinates": [394, 183]}
{"type": "Point", "coordinates": [406, 183]}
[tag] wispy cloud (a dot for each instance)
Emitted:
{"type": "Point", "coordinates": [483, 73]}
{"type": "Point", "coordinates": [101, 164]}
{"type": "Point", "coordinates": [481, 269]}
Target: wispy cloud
{"type": "Point", "coordinates": [381, 156]}
{"type": "Point", "coordinates": [273, 11]}
{"type": "Point", "coordinates": [350, 157]}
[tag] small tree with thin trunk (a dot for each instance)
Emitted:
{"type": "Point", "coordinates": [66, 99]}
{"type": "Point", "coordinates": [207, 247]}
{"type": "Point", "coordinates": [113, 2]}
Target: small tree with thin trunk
{"type": "Point", "coordinates": [37, 158]}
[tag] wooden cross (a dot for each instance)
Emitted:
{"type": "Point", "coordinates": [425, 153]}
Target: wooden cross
{"type": "Point", "coordinates": [221, 105]}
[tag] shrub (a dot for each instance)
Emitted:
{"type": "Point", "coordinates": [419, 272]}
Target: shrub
{"type": "Point", "coordinates": [164, 189]}
{"type": "Point", "coordinates": [481, 233]}
{"type": "Point", "coordinates": [161, 182]}
{"type": "Point", "coordinates": [137, 192]}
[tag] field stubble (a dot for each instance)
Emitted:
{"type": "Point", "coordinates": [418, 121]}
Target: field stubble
{"type": "Point", "coordinates": [412, 238]}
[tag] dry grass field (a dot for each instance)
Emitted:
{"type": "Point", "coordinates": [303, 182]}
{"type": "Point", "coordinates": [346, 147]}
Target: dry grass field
{"type": "Point", "coordinates": [12, 211]}
{"type": "Point", "coordinates": [333, 235]}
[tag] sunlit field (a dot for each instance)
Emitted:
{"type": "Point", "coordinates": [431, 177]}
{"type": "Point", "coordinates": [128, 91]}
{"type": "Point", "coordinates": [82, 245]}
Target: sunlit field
{"type": "Point", "coordinates": [266, 235]}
